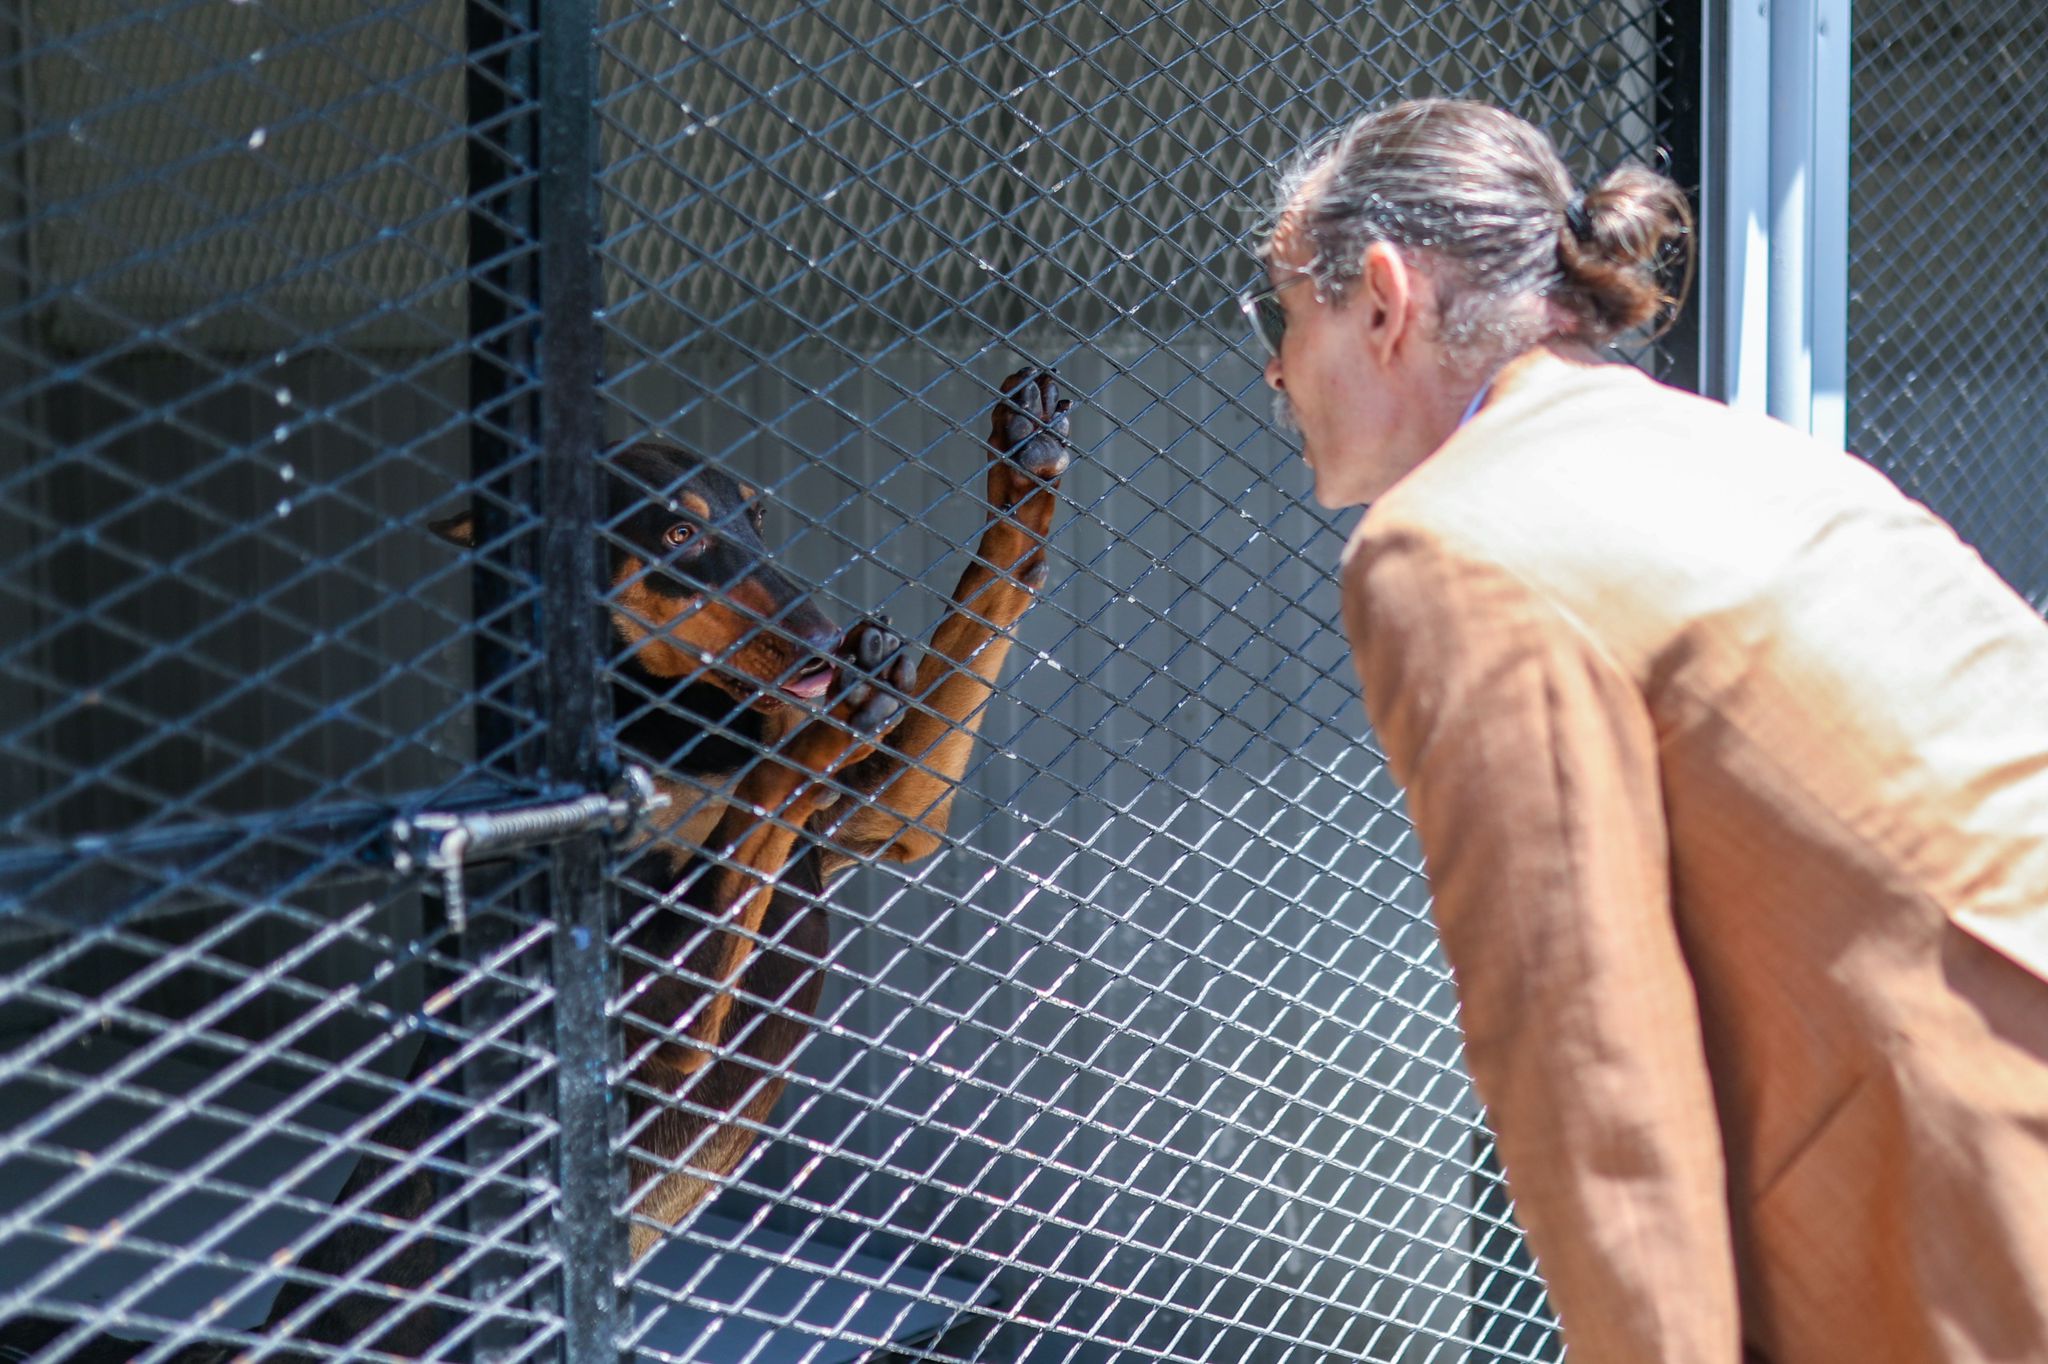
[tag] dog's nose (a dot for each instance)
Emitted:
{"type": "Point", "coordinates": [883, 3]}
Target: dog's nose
{"type": "Point", "coordinates": [816, 634]}
{"type": "Point", "coordinates": [813, 639]}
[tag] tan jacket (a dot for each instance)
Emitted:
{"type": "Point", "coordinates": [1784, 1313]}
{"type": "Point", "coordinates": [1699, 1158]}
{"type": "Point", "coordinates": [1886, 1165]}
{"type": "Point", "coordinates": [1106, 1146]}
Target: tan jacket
{"type": "Point", "coordinates": [1730, 766]}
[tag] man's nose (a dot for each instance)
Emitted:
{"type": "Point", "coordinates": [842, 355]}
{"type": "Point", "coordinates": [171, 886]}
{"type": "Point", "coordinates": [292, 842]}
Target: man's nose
{"type": "Point", "coordinates": [1273, 379]}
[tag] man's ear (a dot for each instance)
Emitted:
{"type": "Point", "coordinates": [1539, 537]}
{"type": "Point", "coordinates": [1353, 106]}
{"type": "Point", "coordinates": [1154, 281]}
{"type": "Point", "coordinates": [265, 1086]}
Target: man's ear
{"type": "Point", "coordinates": [1387, 290]}
{"type": "Point", "coordinates": [459, 528]}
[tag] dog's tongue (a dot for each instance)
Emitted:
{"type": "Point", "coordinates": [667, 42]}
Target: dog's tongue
{"type": "Point", "coordinates": [810, 682]}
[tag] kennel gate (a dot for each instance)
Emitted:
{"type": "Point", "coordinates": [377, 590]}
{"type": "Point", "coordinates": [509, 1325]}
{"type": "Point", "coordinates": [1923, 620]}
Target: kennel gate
{"type": "Point", "coordinates": [1153, 1060]}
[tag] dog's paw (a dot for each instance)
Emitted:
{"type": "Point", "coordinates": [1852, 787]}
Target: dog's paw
{"type": "Point", "coordinates": [1028, 435]}
{"type": "Point", "coordinates": [876, 672]}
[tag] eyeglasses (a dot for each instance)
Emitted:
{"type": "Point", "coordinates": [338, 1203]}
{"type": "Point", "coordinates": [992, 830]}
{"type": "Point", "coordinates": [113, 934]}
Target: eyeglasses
{"type": "Point", "coordinates": [1261, 303]}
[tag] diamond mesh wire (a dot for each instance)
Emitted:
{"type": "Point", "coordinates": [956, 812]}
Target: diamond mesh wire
{"type": "Point", "coordinates": [231, 214]}
{"type": "Point", "coordinates": [249, 1079]}
{"type": "Point", "coordinates": [1137, 1045]}
{"type": "Point", "coordinates": [1153, 1056]}
{"type": "Point", "coordinates": [1945, 319]}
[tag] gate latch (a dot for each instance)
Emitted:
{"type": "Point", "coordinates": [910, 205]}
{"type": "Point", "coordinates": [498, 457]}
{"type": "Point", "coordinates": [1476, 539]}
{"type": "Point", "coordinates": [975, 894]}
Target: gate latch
{"type": "Point", "coordinates": [436, 841]}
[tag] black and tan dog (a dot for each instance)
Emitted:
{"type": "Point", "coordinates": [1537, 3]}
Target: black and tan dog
{"type": "Point", "coordinates": [728, 660]}
{"type": "Point", "coordinates": [790, 751]}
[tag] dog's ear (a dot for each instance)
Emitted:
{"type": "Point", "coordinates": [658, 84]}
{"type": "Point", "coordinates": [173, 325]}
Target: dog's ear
{"type": "Point", "coordinates": [459, 529]}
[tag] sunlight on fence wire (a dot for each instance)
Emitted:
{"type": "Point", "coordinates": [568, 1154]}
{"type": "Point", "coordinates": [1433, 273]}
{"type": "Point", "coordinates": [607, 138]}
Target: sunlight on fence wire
{"type": "Point", "coordinates": [1041, 973]}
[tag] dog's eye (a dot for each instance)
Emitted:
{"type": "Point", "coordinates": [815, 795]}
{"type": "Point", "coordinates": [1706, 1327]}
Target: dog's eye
{"type": "Point", "coordinates": [678, 535]}
{"type": "Point", "coordinates": [758, 514]}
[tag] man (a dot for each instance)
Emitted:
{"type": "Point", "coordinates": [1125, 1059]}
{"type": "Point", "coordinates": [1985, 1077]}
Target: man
{"type": "Point", "coordinates": [1729, 763]}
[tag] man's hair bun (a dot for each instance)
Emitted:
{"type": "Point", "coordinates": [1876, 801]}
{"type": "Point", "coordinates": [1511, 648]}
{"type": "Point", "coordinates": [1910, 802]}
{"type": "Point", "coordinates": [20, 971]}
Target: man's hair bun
{"type": "Point", "coordinates": [1618, 251]}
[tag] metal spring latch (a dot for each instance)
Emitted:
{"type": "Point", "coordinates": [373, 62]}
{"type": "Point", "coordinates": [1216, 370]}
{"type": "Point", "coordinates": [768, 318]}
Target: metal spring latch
{"type": "Point", "coordinates": [437, 841]}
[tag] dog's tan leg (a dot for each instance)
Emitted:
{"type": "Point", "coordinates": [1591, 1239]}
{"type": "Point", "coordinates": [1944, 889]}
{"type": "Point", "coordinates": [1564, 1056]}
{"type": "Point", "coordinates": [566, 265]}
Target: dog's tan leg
{"type": "Point", "coordinates": [757, 848]}
{"type": "Point", "coordinates": [774, 800]}
{"type": "Point", "coordinates": [912, 776]}
{"type": "Point", "coordinates": [755, 839]}
{"type": "Point", "coordinates": [700, 1151]}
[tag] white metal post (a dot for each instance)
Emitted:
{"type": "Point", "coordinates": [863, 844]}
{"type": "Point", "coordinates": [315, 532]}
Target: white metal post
{"type": "Point", "coordinates": [1776, 211]}
{"type": "Point", "coordinates": [1827, 322]}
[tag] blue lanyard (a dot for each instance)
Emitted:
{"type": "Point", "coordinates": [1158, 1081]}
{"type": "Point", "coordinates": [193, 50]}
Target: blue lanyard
{"type": "Point", "coordinates": [1473, 407]}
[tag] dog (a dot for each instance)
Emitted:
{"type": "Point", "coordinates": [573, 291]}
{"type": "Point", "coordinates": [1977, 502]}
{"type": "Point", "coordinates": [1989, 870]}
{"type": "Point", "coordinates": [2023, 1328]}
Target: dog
{"type": "Point", "coordinates": [723, 654]}
{"type": "Point", "coordinates": [789, 752]}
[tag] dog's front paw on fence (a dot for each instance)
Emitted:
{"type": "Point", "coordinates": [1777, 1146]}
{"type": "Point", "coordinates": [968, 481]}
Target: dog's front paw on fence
{"type": "Point", "coordinates": [1028, 437]}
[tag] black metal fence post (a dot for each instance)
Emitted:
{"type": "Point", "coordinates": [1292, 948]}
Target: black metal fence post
{"type": "Point", "coordinates": [534, 436]}
{"type": "Point", "coordinates": [1682, 37]}
{"type": "Point", "coordinates": [591, 1234]}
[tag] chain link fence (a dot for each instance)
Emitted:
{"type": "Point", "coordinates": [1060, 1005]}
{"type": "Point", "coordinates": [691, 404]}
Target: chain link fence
{"type": "Point", "coordinates": [1946, 324]}
{"type": "Point", "coordinates": [1041, 974]}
